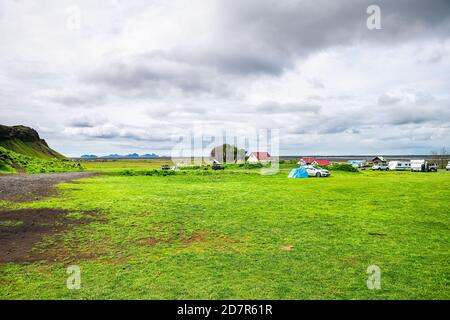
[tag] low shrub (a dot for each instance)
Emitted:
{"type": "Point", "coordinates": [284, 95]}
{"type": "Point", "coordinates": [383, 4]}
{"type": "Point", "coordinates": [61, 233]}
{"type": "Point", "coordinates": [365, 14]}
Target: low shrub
{"type": "Point", "coordinates": [245, 165]}
{"type": "Point", "coordinates": [156, 172]}
{"type": "Point", "coordinates": [342, 167]}
{"type": "Point", "coordinates": [10, 159]}
{"type": "Point", "coordinates": [196, 167]}
{"type": "Point", "coordinates": [128, 172]}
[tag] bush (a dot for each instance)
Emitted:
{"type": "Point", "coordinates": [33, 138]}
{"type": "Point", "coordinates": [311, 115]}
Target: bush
{"type": "Point", "coordinates": [191, 167]}
{"type": "Point", "coordinates": [245, 165]}
{"type": "Point", "coordinates": [257, 165]}
{"type": "Point", "coordinates": [342, 167]}
{"type": "Point", "coordinates": [128, 172]}
{"type": "Point", "coordinates": [156, 172]}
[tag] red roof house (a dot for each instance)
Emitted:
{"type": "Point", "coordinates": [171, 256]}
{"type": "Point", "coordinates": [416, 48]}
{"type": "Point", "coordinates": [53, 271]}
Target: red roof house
{"type": "Point", "coordinates": [259, 157]}
{"type": "Point", "coordinates": [313, 161]}
{"type": "Point", "coordinates": [322, 162]}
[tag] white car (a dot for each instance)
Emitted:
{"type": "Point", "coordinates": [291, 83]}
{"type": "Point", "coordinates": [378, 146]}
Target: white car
{"type": "Point", "coordinates": [448, 166]}
{"type": "Point", "coordinates": [380, 167]}
{"type": "Point", "coordinates": [316, 171]}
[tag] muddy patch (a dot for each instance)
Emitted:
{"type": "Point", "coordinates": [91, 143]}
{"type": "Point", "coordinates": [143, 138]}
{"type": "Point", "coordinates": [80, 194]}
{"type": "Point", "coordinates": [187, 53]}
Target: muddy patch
{"type": "Point", "coordinates": [197, 236]}
{"type": "Point", "coordinates": [149, 241]}
{"type": "Point", "coordinates": [30, 187]}
{"type": "Point", "coordinates": [22, 230]}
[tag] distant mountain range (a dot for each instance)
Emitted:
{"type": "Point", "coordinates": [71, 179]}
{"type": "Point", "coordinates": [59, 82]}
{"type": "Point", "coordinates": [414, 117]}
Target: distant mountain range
{"type": "Point", "coordinates": [118, 156]}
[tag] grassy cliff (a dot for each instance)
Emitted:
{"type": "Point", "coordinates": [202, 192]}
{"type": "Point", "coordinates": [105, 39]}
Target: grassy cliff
{"type": "Point", "coordinates": [23, 151]}
{"type": "Point", "coordinates": [26, 141]}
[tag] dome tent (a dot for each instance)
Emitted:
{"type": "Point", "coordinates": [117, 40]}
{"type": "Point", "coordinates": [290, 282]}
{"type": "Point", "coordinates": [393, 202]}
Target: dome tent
{"type": "Point", "coordinates": [298, 173]}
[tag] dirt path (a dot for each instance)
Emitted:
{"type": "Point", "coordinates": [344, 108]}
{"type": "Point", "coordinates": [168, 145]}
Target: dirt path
{"type": "Point", "coordinates": [29, 187]}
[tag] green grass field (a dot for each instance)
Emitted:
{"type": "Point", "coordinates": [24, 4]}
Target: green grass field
{"type": "Point", "coordinates": [113, 165]}
{"type": "Point", "coordinates": [240, 235]}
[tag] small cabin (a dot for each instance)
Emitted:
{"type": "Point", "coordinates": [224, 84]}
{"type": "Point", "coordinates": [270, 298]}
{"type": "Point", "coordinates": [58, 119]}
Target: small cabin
{"type": "Point", "coordinates": [379, 160]}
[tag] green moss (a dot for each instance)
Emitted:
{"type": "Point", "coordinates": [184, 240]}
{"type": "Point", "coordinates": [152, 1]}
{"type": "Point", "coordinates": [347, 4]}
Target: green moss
{"type": "Point", "coordinates": [30, 148]}
{"type": "Point", "coordinates": [11, 162]}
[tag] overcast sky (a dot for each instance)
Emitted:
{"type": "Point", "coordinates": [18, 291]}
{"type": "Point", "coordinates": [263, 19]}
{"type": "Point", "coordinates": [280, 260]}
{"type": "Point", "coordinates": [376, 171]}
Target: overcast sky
{"type": "Point", "coordinates": [125, 76]}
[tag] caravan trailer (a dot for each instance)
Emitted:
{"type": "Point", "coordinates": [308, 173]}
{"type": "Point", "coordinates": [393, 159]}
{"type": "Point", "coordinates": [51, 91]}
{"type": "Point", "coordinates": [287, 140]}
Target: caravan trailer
{"type": "Point", "coordinates": [399, 165]}
{"type": "Point", "coordinates": [423, 166]}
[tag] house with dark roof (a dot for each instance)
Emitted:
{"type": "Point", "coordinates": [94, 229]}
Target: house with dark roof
{"type": "Point", "coordinates": [263, 157]}
{"type": "Point", "coordinates": [379, 160]}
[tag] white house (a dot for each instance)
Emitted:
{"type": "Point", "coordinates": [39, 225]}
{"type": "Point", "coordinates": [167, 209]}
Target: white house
{"type": "Point", "coordinates": [263, 157]}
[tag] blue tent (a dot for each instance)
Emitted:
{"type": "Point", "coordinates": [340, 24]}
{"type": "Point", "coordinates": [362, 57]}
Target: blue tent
{"type": "Point", "coordinates": [298, 173]}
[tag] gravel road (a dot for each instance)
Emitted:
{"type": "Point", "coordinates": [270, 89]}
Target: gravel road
{"type": "Point", "coordinates": [29, 187]}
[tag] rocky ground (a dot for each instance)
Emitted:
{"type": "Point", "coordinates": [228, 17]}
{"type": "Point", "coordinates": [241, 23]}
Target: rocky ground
{"type": "Point", "coordinates": [29, 187]}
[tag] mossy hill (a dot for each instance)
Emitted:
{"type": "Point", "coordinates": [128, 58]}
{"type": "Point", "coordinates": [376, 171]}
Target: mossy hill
{"type": "Point", "coordinates": [23, 151]}
{"type": "Point", "coordinates": [26, 141]}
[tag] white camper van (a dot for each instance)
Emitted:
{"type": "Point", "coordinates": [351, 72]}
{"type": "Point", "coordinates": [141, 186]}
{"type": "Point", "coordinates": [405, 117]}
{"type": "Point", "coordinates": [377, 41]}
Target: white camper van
{"type": "Point", "coordinates": [399, 165]}
{"type": "Point", "coordinates": [423, 166]}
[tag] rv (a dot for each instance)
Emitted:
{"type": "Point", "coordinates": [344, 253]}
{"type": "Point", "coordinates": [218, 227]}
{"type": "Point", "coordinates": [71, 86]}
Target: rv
{"type": "Point", "coordinates": [423, 166]}
{"type": "Point", "coordinates": [399, 165]}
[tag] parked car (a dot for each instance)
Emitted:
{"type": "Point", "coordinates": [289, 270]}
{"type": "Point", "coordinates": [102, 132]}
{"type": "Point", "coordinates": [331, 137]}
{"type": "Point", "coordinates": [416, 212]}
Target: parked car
{"type": "Point", "coordinates": [380, 167]}
{"type": "Point", "coordinates": [316, 171]}
{"type": "Point", "coordinates": [399, 165]}
{"type": "Point", "coordinates": [423, 166]}
{"type": "Point", "coordinates": [448, 166]}
{"type": "Point", "coordinates": [165, 167]}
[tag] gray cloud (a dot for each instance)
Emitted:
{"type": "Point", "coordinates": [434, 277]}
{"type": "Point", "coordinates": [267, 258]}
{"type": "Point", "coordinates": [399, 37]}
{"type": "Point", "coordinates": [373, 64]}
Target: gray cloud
{"type": "Point", "coordinates": [284, 31]}
{"type": "Point", "coordinates": [112, 131]}
{"type": "Point", "coordinates": [272, 107]}
{"type": "Point", "coordinates": [310, 68]}
{"type": "Point", "coordinates": [231, 111]}
{"type": "Point", "coordinates": [389, 99]}
{"type": "Point", "coordinates": [265, 37]}
{"type": "Point", "coordinates": [158, 73]}
{"type": "Point", "coordinates": [79, 97]}
{"type": "Point", "coordinates": [394, 114]}
{"type": "Point", "coordinates": [85, 121]}
{"type": "Point", "coordinates": [439, 114]}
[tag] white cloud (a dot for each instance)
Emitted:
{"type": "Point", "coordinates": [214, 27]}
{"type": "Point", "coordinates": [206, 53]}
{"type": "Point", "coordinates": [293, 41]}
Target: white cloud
{"type": "Point", "coordinates": [136, 72]}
